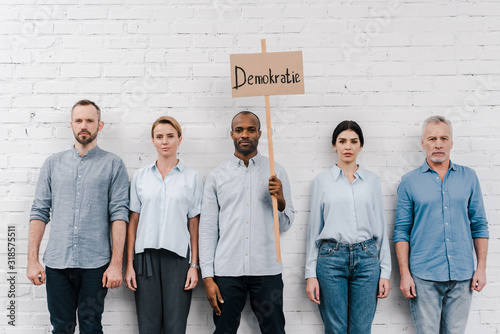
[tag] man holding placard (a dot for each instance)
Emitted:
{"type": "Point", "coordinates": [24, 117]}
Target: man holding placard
{"type": "Point", "coordinates": [237, 246]}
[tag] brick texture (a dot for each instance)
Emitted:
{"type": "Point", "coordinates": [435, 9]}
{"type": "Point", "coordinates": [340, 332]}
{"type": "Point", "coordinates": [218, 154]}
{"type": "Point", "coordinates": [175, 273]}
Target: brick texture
{"type": "Point", "coordinates": [386, 64]}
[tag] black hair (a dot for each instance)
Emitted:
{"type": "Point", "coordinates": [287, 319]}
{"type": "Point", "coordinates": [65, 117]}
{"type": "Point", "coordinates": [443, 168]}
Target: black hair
{"type": "Point", "coordinates": [348, 125]}
{"type": "Point", "coordinates": [246, 112]}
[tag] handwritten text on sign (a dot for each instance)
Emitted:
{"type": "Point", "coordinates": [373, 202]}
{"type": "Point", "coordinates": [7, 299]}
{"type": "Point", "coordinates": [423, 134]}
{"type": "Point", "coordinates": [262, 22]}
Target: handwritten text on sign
{"type": "Point", "coordinates": [259, 74]}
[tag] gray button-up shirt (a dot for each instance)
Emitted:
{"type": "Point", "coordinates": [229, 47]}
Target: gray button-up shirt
{"type": "Point", "coordinates": [236, 227]}
{"type": "Point", "coordinates": [85, 195]}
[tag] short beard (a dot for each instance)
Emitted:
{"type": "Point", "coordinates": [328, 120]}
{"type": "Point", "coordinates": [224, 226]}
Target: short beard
{"type": "Point", "coordinates": [438, 161]}
{"type": "Point", "coordinates": [87, 141]}
{"type": "Point", "coordinates": [246, 151]}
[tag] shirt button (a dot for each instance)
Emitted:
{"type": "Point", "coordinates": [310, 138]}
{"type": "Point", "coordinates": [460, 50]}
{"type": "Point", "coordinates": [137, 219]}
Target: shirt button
{"type": "Point", "coordinates": [79, 176]}
{"type": "Point", "coordinates": [446, 207]}
{"type": "Point", "coordinates": [74, 245]}
{"type": "Point", "coordinates": [76, 210]}
{"type": "Point", "coordinates": [446, 223]}
{"type": "Point", "coordinates": [246, 254]}
{"type": "Point", "coordinates": [246, 222]}
{"type": "Point", "coordinates": [449, 255]}
{"type": "Point", "coordinates": [447, 239]}
{"type": "Point", "coordinates": [437, 177]}
{"type": "Point", "coordinates": [76, 227]}
{"type": "Point", "coordinates": [247, 204]}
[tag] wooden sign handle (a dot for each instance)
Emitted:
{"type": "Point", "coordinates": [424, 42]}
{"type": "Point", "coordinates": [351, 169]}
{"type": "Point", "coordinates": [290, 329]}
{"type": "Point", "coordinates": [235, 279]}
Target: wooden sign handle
{"type": "Point", "coordinates": [271, 167]}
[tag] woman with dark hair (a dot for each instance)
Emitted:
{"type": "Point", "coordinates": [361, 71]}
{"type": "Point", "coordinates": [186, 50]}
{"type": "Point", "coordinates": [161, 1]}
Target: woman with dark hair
{"type": "Point", "coordinates": [162, 237]}
{"type": "Point", "coordinates": [348, 262]}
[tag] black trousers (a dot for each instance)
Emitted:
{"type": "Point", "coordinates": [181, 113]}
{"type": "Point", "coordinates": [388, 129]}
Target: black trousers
{"type": "Point", "coordinates": [160, 299]}
{"type": "Point", "coordinates": [266, 300]}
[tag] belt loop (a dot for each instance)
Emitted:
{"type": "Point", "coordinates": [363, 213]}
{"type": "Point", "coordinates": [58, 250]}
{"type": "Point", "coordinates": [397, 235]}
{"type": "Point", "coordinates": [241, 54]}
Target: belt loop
{"type": "Point", "coordinates": [139, 262]}
{"type": "Point", "coordinates": [149, 264]}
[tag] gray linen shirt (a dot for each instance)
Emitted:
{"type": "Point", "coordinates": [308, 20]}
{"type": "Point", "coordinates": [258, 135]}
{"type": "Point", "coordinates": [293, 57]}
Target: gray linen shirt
{"type": "Point", "coordinates": [236, 224]}
{"type": "Point", "coordinates": [85, 195]}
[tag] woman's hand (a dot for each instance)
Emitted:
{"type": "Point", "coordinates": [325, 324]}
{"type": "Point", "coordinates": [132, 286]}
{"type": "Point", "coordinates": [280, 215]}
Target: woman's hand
{"type": "Point", "coordinates": [312, 290]}
{"type": "Point", "coordinates": [383, 288]}
{"type": "Point", "coordinates": [191, 279]}
{"type": "Point", "coordinates": [130, 281]}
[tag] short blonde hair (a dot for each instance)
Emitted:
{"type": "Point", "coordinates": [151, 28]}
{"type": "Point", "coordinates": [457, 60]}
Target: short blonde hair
{"type": "Point", "coordinates": [167, 120]}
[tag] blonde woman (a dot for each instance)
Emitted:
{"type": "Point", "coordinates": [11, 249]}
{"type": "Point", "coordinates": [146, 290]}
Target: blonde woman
{"type": "Point", "coordinates": [162, 237]}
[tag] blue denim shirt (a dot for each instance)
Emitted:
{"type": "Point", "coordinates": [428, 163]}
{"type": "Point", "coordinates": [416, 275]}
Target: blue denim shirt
{"type": "Point", "coordinates": [85, 194]}
{"type": "Point", "coordinates": [236, 223]}
{"type": "Point", "coordinates": [439, 220]}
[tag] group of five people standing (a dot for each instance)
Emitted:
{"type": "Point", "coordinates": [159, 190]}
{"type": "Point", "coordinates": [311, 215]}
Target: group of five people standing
{"type": "Point", "coordinates": [228, 226]}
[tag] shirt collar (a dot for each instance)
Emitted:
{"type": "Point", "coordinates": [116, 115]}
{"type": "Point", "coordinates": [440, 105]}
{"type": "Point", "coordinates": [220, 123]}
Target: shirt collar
{"type": "Point", "coordinates": [426, 168]}
{"type": "Point", "coordinates": [93, 152]}
{"type": "Point", "coordinates": [238, 162]}
{"type": "Point", "coordinates": [336, 172]}
{"type": "Point", "coordinates": [180, 166]}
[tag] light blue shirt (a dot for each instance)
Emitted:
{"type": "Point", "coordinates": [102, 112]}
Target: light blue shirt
{"type": "Point", "coordinates": [236, 225]}
{"type": "Point", "coordinates": [85, 195]}
{"type": "Point", "coordinates": [439, 220]}
{"type": "Point", "coordinates": [347, 213]}
{"type": "Point", "coordinates": [165, 205]}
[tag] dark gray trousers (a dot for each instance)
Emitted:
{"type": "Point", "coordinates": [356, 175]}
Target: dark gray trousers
{"type": "Point", "coordinates": [161, 301]}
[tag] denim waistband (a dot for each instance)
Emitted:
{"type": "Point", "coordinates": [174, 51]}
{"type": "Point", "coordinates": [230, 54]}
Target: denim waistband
{"type": "Point", "coordinates": [334, 244]}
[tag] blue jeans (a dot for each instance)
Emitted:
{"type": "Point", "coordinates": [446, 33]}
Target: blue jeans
{"type": "Point", "coordinates": [72, 289]}
{"type": "Point", "coordinates": [266, 300]}
{"type": "Point", "coordinates": [348, 279]}
{"type": "Point", "coordinates": [441, 307]}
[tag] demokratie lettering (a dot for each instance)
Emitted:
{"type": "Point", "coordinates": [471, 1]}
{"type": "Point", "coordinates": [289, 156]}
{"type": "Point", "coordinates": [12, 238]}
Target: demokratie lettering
{"type": "Point", "coordinates": [241, 78]}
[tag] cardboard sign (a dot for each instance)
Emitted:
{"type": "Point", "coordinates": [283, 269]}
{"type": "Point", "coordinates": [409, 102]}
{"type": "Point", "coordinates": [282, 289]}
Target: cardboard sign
{"type": "Point", "coordinates": [260, 74]}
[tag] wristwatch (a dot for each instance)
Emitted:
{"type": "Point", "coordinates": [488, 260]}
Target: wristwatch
{"type": "Point", "coordinates": [194, 266]}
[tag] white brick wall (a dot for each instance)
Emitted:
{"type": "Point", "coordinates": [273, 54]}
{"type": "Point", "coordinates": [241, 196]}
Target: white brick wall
{"type": "Point", "coordinates": [387, 65]}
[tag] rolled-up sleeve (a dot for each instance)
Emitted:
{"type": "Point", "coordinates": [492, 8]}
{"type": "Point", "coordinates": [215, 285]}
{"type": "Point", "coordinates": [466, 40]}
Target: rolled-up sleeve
{"type": "Point", "coordinates": [135, 200]}
{"type": "Point", "coordinates": [477, 213]}
{"type": "Point", "coordinates": [43, 195]}
{"type": "Point", "coordinates": [119, 193]}
{"type": "Point", "coordinates": [195, 207]}
{"type": "Point", "coordinates": [404, 214]}
{"type": "Point", "coordinates": [209, 227]}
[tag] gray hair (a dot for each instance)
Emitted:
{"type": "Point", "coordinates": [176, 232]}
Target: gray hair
{"type": "Point", "coordinates": [436, 120]}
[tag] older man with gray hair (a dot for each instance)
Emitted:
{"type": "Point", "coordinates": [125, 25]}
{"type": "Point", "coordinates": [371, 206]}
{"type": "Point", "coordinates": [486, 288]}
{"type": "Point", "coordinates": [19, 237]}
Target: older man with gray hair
{"type": "Point", "coordinates": [440, 218]}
